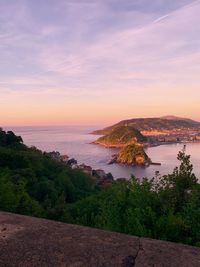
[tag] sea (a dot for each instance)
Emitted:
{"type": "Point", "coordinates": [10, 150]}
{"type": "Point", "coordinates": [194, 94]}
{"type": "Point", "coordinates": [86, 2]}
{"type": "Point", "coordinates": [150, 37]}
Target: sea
{"type": "Point", "coordinates": [75, 141]}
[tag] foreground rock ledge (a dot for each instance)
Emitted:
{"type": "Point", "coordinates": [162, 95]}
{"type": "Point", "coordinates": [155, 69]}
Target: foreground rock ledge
{"type": "Point", "coordinates": [27, 241]}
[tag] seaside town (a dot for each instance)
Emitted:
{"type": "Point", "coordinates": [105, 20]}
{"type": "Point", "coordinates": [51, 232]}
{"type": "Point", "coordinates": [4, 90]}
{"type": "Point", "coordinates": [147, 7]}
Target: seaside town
{"type": "Point", "coordinates": [102, 178]}
{"type": "Point", "coordinates": [172, 136]}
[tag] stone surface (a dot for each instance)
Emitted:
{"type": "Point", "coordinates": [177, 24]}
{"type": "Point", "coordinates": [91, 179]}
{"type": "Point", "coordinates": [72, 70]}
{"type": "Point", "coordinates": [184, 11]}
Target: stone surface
{"type": "Point", "coordinates": [27, 241]}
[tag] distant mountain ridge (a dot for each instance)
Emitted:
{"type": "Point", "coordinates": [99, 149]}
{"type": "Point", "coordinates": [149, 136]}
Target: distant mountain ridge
{"type": "Point", "coordinates": [150, 124]}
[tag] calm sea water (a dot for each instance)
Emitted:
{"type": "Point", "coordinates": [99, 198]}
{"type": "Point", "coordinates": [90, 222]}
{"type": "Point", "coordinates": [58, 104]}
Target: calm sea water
{"type": "Point", "coordinates": [75, 142]}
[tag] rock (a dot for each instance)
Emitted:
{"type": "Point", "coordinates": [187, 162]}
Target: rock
{"type": "Point", "coordinates": [37, 242]}
{"type": "Point", "coordinates": [133, 155]}
{"type": "Point", "coordinates": [113, 159]}
{"type": "Point", "coordinates": [128, 261]}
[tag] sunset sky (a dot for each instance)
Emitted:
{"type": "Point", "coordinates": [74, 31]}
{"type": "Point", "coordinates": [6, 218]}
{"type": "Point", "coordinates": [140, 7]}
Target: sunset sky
{"type": "Point", "coordinates": [98, 61]}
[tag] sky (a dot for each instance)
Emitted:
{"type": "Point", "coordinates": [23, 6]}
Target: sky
{"type": "Point", "coordinates": [98, 61]}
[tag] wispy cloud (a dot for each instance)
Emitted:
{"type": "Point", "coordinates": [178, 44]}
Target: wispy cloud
{"type": "Point", "coordinates": [85, 49]}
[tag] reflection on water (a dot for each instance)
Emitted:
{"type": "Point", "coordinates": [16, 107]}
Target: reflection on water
{"type": "Point", "coordinates": [75, 142]}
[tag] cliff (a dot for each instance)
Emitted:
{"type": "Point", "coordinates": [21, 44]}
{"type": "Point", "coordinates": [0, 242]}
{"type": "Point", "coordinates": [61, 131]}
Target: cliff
{"type": "Point", "coordinates": [132, 154]}
{"type": "Point", "coordinates": [27, 241]}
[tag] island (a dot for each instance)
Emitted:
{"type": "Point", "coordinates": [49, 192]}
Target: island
{"type": "Point", "coordinates": [133, 155]}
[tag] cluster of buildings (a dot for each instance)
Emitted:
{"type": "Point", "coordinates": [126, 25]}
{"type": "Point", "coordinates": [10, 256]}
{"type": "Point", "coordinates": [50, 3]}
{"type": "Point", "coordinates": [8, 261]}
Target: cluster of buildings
{"type": "Point", "coordinates": [174, 137]}
{"type": "Point", "coordinates": [102, 178]}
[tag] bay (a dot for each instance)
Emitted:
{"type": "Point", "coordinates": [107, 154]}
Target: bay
{"type": "Point", "coordinates": [75, 141]}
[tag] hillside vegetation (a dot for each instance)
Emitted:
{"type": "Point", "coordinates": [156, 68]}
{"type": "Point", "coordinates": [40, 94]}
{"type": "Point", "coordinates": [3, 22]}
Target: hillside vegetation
{"type": "Point", "coordinates": [132, 154]}
{"type": "Point", "coordinates": [34, 184]}
{"type": "Point", "coordinates": [165, 207]}
{"type": "Point", "coordinates": [120, 136]}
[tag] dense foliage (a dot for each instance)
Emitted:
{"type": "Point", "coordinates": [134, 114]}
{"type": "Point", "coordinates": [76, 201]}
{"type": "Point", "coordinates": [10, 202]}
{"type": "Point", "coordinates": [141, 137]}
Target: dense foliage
{"type": "Point", "coordinates": [165, 207]}
{"type": "Point", "coordinates": [10, 139]}
{"type": "Point", "coordinates": [122, 135]}
{"type": "Point", "coordinates": [132, 154]}
{"type": "Point", "coordinates": [32, 183]}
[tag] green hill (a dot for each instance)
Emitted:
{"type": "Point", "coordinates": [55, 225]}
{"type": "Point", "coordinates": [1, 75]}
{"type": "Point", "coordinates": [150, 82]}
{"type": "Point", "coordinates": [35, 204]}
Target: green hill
{"type": "Point", "coordinates": [121, 136]}
{"type": "Point", "coordinates": [147, 124]}
{"type": "Point", "coordinates": [32, 183]}
{"type": "Point", "coordinates": [132, 154]}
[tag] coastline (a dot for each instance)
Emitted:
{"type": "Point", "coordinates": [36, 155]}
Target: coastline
{"type": "Point", "coordinates": [170, 143]}
{"type": "Point", "coordinates": [107, 145]}
{"type": "Point", "coordinates": [145, 146]}
{"type": "Point", "coordinates": [98, 157]}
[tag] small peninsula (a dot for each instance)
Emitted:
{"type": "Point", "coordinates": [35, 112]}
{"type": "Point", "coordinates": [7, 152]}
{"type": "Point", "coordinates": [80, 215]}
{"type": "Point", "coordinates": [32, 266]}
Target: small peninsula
{"type": "Point", "coordinates": [121, 136]}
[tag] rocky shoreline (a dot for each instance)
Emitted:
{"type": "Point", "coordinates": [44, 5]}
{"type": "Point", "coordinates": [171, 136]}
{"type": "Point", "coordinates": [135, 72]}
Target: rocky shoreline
{"type": "Point", "coordinates": [101, 178]}
{"type": "Point", "coordinates": [28, 241]}
{"type": "Point", "coordinates": [107, 145]}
